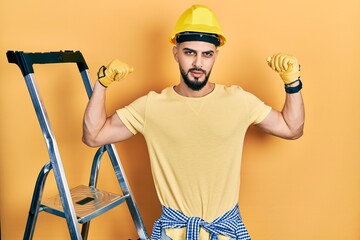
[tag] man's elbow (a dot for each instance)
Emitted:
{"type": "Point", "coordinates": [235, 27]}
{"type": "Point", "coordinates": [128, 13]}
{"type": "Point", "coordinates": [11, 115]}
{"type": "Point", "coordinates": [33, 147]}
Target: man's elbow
{"type": "Point", "coordinates": [90, 141]}
{"type": "Point", "coordinates": [297, 134]}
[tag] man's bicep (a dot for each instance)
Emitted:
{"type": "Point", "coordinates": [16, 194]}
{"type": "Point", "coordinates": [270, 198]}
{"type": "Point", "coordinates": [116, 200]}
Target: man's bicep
{"type": "Point", "coordinates": [275, 124]}
{"type": "Point", "coordinates": [115, 130]}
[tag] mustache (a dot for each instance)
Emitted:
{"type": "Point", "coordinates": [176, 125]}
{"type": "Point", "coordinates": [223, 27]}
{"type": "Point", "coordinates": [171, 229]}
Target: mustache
{"type": "Point", "coordinates": [197, 69]}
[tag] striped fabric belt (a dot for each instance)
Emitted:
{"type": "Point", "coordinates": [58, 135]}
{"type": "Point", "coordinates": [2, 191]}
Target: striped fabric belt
{"type": "Point", "coordinates": [229, 224]}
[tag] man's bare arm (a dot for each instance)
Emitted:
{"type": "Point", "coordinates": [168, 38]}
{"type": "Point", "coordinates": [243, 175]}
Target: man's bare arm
{"type": "Point", "coordinates": [289, 123]}
{"type": "Point", "coordinates": [98, 128]}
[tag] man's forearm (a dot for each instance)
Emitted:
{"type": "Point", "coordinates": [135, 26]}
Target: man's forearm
{"type": "Point", "coordinates": [95, 114]}
{"type": "Point", "coordinates": [294, 113]}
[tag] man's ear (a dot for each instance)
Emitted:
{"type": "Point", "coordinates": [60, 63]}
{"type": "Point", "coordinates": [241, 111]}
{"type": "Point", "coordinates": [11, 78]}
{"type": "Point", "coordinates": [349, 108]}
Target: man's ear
{"type": "Point", "coordinates": [175, 53]}
{"type": "Point", "coordinates": [216, 53]}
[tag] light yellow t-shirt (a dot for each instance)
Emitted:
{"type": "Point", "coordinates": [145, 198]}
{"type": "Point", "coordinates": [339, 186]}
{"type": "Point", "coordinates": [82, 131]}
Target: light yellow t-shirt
{"type": "Point", "coordinates": [195, 147]}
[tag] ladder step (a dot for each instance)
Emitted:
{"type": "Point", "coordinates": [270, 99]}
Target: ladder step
{"type": "Point", "coordinates": [89, 202]}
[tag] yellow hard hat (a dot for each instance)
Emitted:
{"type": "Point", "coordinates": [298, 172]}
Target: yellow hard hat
{"type": "Point", "coordinates": [198, 19]}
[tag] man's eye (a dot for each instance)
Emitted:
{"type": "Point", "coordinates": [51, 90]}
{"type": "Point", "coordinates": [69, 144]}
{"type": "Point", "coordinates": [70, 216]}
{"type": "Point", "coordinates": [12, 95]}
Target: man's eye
{"type": "Point", "coordinates": [208, 54]}
{"type": "Point", "coordinates": [189, 52]}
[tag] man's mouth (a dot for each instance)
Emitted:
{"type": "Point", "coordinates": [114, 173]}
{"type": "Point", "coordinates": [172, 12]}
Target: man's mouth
{"type": "Point", "coordinates": [197, 73]}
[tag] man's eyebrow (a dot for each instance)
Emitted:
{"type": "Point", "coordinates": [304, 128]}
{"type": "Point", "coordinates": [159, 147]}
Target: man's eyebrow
{"type": "Point", "coordinates": [189, 49]}
{"type": "Point", "coordinates": [209, 51]}
{"type": "Point", "coordinates": [192, 50]}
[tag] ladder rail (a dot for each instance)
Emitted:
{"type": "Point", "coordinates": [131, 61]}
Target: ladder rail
{"type": "Point", "coordinates": [134, 211]}
{"type": "Point", "coordinates": [95, 168]}
{"type": "Point", "coordinates": [55, 158]}
{"type": "Point", "coordinates": [36, 201]}
{"type": "Point", "coordinates": [25, 62]}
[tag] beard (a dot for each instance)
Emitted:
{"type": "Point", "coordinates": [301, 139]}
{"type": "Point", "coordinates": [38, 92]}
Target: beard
{"type": "Point", "coordinates": [195, 84]}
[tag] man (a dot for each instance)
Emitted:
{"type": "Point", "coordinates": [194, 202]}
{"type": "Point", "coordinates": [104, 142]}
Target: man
{"type": "Point", "coordinates": [195, 131]}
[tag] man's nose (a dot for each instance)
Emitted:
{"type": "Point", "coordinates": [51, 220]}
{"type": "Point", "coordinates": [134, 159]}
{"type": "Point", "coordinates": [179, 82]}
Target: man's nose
{"type": "Point", "coordinates": [197, 61]}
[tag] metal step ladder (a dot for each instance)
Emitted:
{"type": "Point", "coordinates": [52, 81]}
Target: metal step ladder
{"type": "Point", "coordinates": [81, 204]}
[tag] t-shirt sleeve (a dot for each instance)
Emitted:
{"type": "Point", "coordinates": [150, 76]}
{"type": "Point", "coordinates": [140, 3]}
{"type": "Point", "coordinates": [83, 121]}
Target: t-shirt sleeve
{"type": "Point", "coordinates": [133, 115]}
{"type": "Point", "coordinates": [258, 110]}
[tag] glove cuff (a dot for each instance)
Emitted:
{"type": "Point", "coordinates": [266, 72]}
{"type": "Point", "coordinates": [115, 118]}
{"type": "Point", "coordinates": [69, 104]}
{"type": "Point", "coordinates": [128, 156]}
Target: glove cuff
{"type": "Point", "coordinates": [101, 72]}
{"type": "Point", "coordinates": [102, 84]}
{"type": "Point", "coordinates": [295, 89]}
{"type": "Point", "coordinates": [102, 78]}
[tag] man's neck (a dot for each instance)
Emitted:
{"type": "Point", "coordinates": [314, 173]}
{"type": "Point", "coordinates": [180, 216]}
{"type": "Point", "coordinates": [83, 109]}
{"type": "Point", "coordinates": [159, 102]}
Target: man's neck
{"type": "Point", "coordinates": [185, 91]}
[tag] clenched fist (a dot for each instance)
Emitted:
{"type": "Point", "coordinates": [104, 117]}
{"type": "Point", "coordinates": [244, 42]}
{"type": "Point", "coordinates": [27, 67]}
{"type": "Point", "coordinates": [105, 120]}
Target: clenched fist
{"type": "Point", "coordinates": [286, 65]}
{"type": "Point", "coordinates": [115, 71]}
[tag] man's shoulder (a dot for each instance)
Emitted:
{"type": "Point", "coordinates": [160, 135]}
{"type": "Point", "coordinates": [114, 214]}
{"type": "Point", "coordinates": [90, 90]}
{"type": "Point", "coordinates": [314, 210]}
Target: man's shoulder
{"type": "Point", "coordinates": [231, 89]}
{"type": "Point", "coordinates": [158, 95]}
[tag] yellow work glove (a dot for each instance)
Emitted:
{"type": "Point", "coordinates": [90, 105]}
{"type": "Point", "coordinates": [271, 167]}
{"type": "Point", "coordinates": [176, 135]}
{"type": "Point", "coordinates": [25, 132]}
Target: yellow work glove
{"type": "Point", "coordinates": [115, 71]}
{"type": "Point", "coordinates": [286, 65]}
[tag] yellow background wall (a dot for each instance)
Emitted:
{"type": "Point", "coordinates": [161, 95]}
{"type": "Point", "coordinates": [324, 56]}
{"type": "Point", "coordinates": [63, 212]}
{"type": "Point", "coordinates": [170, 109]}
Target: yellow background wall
{"type": "Point", "coordinates": [304, 189]}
